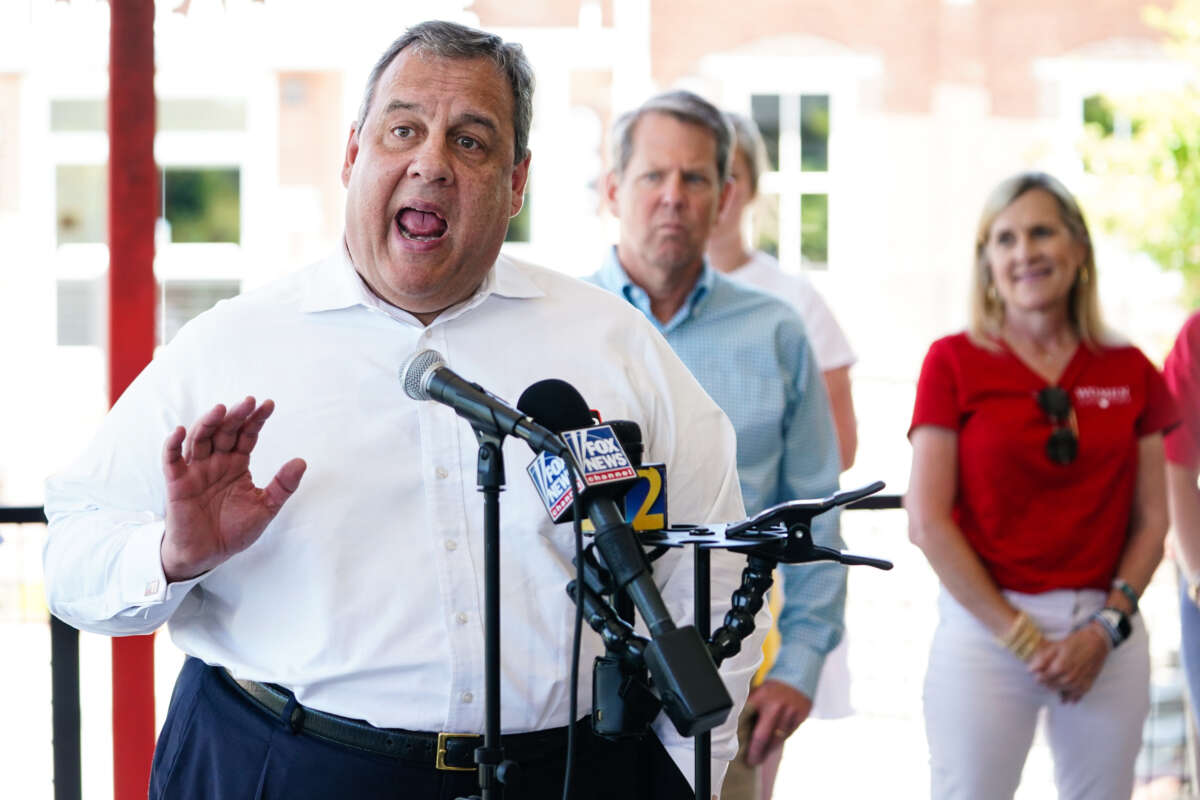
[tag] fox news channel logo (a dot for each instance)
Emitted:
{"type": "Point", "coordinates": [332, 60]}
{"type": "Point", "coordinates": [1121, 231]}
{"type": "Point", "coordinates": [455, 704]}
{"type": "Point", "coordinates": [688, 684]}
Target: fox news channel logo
{"type": "Point", "coordinates": [553, 484]}
{"type": "Point", "coordinates": [598, 455]}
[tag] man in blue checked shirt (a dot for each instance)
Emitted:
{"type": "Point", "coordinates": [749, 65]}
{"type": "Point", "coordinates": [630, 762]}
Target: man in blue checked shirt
{"type": "Point", "coordinates": [670, 165]}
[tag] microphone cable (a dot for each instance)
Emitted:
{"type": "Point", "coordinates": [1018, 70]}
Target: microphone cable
{"type": "Point", "coordinates": [576, 637]}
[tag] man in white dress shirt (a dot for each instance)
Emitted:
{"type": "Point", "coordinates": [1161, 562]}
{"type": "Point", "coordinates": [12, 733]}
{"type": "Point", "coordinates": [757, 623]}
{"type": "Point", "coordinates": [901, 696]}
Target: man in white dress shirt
{"type": "Point", "coordinates": [333, 619]}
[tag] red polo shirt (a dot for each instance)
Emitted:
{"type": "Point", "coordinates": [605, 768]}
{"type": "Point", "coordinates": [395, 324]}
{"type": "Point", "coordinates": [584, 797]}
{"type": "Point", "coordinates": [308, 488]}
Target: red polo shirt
{"type": "Point", "coordinates": [1038, 525]}
{"type": "Point", "coordinates": [1182, 371]}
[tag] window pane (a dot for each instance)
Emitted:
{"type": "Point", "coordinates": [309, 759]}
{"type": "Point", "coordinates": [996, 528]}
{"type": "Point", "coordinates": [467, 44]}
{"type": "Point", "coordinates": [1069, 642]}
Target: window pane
{"type": "Point", "coordinates": [766, 224]}
{"type": "Point", "coordinates": [814, 228]}
{"type": "Point", "coordinates": [81, 202]}
{"type": "Point", "coordinates": [203, 205]}
{"type": "Point", "coordinates": [77, 115]}
{"type": "Point", "coordinates": [82, 311]}
{"type": "Point", "coordinates": [765, 110]}
{"type": "Point", "coordinates": [202, 115]}
{"type": "Point", "coordinates": [183, 300]}
{"type": "Point", "coordinates": [814, 132]}
{"type": "Point", "coordinates": [518, 226]}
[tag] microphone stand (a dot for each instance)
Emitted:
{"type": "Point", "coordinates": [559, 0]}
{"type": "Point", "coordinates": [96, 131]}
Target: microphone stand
{"type": "Point", "coordinates": [489, 479]}
{"type": "Point", "coordinates": [703, 613]}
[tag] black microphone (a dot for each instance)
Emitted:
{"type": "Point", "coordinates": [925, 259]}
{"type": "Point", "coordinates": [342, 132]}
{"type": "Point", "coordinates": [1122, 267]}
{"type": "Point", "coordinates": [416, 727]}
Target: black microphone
{"type": "Point", "coordinates": [679, 661]}
{"type": "Point", "coordinates": [426, 377]}
{"type": "Point", "coordinates": [557, 405]}
{"type": "Point", "coordinates": [629, 434]}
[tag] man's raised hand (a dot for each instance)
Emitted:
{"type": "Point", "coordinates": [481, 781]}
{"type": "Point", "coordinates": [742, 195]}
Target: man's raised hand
{"type": "Point", "coordinates": [214, 510]}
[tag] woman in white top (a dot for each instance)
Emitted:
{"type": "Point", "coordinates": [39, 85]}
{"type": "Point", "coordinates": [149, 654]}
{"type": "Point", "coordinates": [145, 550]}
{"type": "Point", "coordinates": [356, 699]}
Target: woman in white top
{"type": "Point", "coordinates": [729, 251]}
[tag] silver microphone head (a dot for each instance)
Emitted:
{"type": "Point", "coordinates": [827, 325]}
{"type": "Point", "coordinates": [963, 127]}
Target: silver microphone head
{"type": "Point", "coordinates": [417, 369]}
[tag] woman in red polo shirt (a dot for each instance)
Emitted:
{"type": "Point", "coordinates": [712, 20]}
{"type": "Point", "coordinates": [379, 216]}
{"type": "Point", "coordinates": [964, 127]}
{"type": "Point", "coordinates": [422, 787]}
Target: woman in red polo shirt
{"type": "Point", "coordinates": [1037, 494]}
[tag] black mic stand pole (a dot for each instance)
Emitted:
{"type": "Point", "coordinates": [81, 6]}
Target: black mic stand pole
{"type": "Point", "coordinates": [703, 741]}
{"type": "Point", "coordinates": [489, 479]}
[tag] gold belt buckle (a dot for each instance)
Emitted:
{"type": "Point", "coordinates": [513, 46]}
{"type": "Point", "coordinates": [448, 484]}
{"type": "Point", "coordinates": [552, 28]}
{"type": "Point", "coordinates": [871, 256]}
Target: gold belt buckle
{"type": "Point", "coordinates": [440, 762]}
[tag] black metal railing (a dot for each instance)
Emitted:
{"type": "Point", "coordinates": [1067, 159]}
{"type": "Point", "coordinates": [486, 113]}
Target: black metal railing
{"type": "Point", "coordinates": [64, 682]}
{"type": "Point", "coordinates": [64, 664]}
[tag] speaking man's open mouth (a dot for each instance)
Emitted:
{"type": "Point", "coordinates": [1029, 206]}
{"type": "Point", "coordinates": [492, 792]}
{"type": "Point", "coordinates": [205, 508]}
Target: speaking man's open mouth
{"type": "Point", "coordinates": [420, 226]}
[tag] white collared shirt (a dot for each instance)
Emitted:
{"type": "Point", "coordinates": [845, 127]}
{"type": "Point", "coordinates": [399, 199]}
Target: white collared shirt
{"type": "Point", "coordinates": [365, 595]}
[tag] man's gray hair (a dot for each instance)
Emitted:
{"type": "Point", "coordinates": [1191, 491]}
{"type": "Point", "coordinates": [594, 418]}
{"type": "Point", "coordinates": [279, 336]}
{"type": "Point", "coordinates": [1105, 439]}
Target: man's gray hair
{"type": "Point", "coordinates": [684, 106]}
{"type": "Point", "coordinates": [451, 40]}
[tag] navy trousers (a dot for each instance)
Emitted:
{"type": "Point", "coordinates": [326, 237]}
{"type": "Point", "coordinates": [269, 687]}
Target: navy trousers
{"type": "Point", "coordinates": [217, 744]}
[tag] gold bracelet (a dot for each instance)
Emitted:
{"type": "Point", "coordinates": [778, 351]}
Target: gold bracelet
{"type": "Point", "coordinates": [1015, 630]}
{"type": "Point", "coordinates": [1023, 637]}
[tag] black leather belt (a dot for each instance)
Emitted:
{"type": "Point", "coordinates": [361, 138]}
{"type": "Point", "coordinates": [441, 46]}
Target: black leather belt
{"type": "Point", "coordinates": [444, 751]}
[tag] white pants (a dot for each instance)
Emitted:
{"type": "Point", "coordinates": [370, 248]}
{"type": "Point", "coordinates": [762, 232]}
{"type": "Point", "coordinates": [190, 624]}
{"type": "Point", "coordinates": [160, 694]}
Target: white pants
{"type": "Point", "coordinates": [982, 704]}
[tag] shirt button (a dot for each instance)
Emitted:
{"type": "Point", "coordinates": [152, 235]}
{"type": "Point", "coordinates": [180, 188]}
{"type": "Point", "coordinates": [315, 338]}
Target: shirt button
{"type": "Point", "coordinates": [460, 618]}
{"type": "Point", "coordinates": [467, 697]}
{"type": "Point", "coordinates": [441, 473]}
{"type": "Point", "coordinates": [451, 545]}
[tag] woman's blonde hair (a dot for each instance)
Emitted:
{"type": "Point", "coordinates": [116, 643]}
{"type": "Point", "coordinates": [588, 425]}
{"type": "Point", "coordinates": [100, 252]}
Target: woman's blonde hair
{"type": "Point", "coordinates": [987, 309]}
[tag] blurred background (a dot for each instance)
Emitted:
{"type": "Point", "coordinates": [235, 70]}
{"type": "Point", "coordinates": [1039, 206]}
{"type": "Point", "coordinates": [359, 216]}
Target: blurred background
{"type": "Point", "coordinates": [887, 122]}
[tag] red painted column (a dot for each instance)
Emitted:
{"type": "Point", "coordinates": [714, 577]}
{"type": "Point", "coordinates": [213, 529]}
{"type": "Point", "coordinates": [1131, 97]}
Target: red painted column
{"type": "Point", "coordinates": [132, 208]}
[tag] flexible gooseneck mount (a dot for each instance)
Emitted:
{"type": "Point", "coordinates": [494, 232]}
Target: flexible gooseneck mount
{"type": "Point", "coordinates": [624, 701]}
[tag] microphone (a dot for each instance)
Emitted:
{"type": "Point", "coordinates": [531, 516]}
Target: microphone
{"type": "Point", "coordinates": [557, 405]}
{"type": "Point", "coordinates": [679, 661]}
{"type": "Point", "coordinates": [426, 377]}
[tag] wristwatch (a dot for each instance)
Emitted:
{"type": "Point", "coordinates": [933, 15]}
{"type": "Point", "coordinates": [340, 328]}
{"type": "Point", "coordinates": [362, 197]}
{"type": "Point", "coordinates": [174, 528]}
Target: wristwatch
{"type": "Point", "coordinates": [1115, 623]}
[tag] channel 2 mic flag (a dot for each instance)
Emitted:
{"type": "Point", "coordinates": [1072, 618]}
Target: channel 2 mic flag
{"type": "Point", "coordinates": [600, 461]}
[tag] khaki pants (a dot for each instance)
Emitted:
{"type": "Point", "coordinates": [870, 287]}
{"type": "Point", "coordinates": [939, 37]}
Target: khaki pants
{"type": "Point", "coordinates": [742, 782]}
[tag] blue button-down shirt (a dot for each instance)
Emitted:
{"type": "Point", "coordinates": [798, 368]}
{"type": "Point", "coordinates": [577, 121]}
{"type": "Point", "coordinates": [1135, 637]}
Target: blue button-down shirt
{"type": "Point", "coordinates": [749, 352]}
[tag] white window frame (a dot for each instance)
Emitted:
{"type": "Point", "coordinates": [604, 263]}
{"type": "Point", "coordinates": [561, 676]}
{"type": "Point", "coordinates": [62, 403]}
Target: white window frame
{"type": "Point", "coordinates": [792, 66]}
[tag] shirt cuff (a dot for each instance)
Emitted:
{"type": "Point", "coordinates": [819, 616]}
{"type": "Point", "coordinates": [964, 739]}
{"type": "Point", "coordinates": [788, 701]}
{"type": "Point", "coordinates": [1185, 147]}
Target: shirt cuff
{"type": "Point", "coordinates": [142, 580]}
{"type": "Point", "coordinates": [799, 666]}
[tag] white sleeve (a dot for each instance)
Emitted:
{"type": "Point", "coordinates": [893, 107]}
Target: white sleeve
{"type": "Point", "coordinates": [103, 571]}
{"type": "Point", "coordinates": [828, 340]}
{"type": "Point", "coordinates": [697, 441]}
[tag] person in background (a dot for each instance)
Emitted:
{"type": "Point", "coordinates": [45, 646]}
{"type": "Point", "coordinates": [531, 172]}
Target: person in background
{"type": "Point", "coordinates": [1037, 495]}
{"type": "Point", "coordinates": [1182, 373]}
{"type": "Point", "coordinates": [749, 351]}
{"type": "Point", "coordinates": [730, 252]}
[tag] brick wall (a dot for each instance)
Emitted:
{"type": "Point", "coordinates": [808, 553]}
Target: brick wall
{"type": "Point", "coordinates": [923, 43]}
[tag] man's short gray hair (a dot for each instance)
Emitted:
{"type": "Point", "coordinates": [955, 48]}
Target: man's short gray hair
{"type": "Point", "coordinates": [684, 106]}
{"type": "Point", "coordinates": [451, 40]}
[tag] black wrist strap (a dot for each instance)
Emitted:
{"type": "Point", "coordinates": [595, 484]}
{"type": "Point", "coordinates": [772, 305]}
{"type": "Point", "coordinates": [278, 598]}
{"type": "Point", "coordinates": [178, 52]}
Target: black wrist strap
{"type": "Point", "coordinates": [1115, 623]}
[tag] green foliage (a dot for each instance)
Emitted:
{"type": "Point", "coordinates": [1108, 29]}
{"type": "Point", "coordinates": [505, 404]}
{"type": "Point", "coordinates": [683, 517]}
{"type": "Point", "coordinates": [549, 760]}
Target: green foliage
{"type": "Point", "coordinates": [518, 226]}
{"type": "Point", "coordinates": [203, 204]}
{"type": "Point", "coordinates": [814, 228]}
{"type": "Point", "coordinates": [1148, 174]}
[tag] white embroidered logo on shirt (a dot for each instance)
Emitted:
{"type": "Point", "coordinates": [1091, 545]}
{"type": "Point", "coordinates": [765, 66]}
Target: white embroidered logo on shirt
{"type": "Point", "coordinates": [1102, 396]}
